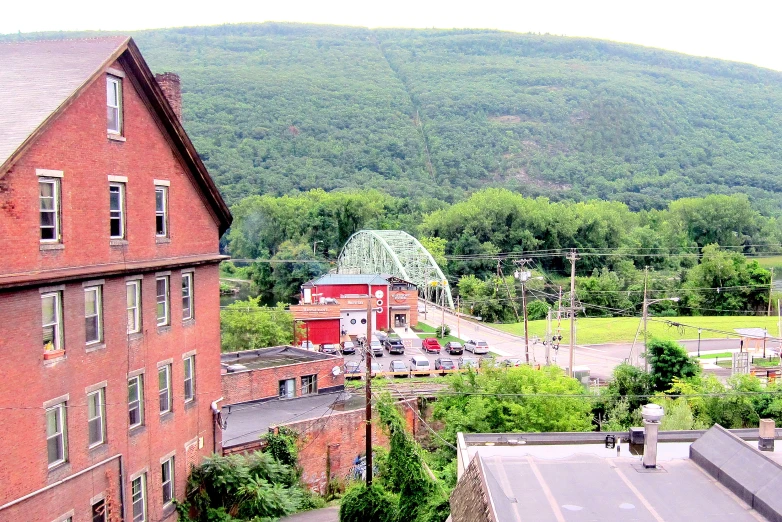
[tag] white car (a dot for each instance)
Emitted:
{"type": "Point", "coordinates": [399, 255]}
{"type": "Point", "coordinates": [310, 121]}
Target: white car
{"type": "Point", "coordinates": [477, 347]}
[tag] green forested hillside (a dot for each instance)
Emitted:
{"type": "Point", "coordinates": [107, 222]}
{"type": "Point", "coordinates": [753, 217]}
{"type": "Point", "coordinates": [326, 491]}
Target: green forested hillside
{"type": "Point", "coordinates": [276, 108]}
{"type": "Point", "coordinates": [279, 108]}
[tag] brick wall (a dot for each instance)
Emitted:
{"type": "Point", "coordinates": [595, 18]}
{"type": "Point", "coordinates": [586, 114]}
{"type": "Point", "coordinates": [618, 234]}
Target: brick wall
{"type": "Point", "coordinates": [264, 383]}
{"type": "Point", "coordinates": [76, 143]}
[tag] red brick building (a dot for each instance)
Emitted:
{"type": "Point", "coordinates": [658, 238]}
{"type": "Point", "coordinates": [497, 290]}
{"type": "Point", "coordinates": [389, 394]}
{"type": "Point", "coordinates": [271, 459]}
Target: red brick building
{"type": "Point", "coordinates": [109, 309]}
{"type": "Point", "coordinates": [336, 303]}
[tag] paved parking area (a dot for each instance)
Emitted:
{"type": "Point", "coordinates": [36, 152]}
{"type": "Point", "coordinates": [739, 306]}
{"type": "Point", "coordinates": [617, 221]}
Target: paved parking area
{"type": "Point", "coordinates": [386, 359]}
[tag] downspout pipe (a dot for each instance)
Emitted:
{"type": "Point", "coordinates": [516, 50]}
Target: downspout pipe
{"type": "Point", "coordinates": [216, 420]}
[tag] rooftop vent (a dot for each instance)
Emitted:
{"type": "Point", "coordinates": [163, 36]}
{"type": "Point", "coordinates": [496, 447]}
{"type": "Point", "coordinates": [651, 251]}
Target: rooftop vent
{"type": "Point", "coordinates": [652, 414]}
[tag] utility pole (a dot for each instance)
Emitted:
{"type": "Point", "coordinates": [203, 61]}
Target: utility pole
{"type": "Point", "coordinates": [442, 309]}
{"type": "Point", "coordinates": [770, 290]}
{"type": "Point", "coordinates": [572, 256]}
{"type": "Point", "coordinates": [523, 276]}
{"type": "Point", "coordinates": [645, 310]}
{"type": "Point", "coordinates": [779, 327]}
{"type": "Point", "coordinates": [368, 389]}
{"type": "Point", "coordinates": [458, 313]}
{"type": "Point", "coordinates": [549, 339]}
{"type": "Point", "coordinates": [507, 289]}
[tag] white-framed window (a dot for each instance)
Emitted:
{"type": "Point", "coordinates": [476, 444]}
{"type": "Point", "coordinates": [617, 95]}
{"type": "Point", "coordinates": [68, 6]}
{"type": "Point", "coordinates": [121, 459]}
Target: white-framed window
{"type": "Point", "coordinates": [164, 388]}
{"type": "Point", "coordinates": [161, 211]}
{"type": "Point", "coordinates": [163, 301]}
{"type": "Point", "coordinates": [309, 384]}
{"type": "Point", "coordinates": [93, 314]}
{"type": "Point", "coordinates": [138, 497]}
{"type": "Point", "coordinates": [167, 480]}
{"type": "Point", "coordinates": [136, 401]}
{"type": "Point", "coordinates": [187, 296]}
{"type": "Point", "coordinates": [96, 417]}
{"type": "Point", "coordinates": [49, 199]}
{"type": "Point", "coordinates": [133, 305]}
{"type": "Point", "coordinates": [56, 435]}
{"type": "Point", "coordinates": [51, 306]}
{"type": "Point", "coordinates": [114, 105]}
{"type": "Point", "coordinates": [117, 210]}
{"type": "Point", "coordinates": [189, 378]}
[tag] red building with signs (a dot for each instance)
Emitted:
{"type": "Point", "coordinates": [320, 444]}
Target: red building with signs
{"type": "Point", "coordinates": [109, 308]}
{"type": "Point", "coordinates": [336, 304]}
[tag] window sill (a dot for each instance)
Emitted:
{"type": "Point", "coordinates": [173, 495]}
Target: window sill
{"type": "Point", "coordinates": [135, 336]}
{"type": "Point", "coordinates": [59, 470]}
{"type": "Point", "coordinates": [167, 417]}
{"type": "Point", "coordinates": [118, 242]}
{"type": "Point", "coordinates": [188, 323]}
{"type": "Point", "coordinates": [51, 246]}
{"type": "Point", "coordinates": [53, 355]}
{"type": "Point", "coordinates": [135, 430]}
{"type": "Point", "coordinates": [115, 137]}
{"type": "Point", "coordinates": [168, 509]}
{"type": "Point", "coordinates": [190, 404]}
{"type": "Point", "coordinates": [162, 240]}
{"type": "Point", "coordinates": [98, 448]}
{"type": "Point", "coordinates": [95, 347]}
{"type": "Point", "coordinates": [164, 329]}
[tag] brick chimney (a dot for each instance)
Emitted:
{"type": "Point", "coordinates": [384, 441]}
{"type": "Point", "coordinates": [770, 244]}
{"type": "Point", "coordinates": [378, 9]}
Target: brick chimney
{"type": "Point", "coordinates": [169, 82]}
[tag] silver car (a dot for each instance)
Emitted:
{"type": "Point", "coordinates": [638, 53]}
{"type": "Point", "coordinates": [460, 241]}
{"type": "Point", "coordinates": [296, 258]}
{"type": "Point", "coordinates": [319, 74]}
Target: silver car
{"type": "Point", "coordinates": [477, 347]}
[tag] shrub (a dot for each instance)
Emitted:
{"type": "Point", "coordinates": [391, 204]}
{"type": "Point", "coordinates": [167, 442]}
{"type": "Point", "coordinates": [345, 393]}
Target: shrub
{"type": "Point", "coordinates": [443, 331]}
{"type": "Point", "coordinates": [362, 504]}
{"type": "Point", "coordinates": [537, 310]}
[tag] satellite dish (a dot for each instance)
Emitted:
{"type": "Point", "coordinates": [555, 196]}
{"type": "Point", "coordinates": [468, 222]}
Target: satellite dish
{"type": "Point", "coordinates": [335, 371]}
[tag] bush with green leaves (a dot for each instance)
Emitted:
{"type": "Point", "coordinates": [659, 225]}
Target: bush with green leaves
{"type": "Point", "coordinates": [443, 331]}
{"type": "Point", "coordinates": [372, 504]}
{"type": "Point", "coordinates": [669, 360]}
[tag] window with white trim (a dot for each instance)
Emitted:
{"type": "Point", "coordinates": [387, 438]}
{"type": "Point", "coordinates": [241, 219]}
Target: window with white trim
{"type": "Point", "coordinates": [167, 480]}
{"type": "Point", "coordinates": [164, 388]}
{"type": "Point", "coordinates": [163, 302]}
{"type": "Point", "coordinates": [93, 314]}
{"type": "Point", "coordinates": [96, 415]}
{"type": "Point", "coordinates": [56, 435]}
{"type": "Point", "coordinates": [49, 208]}
{"type": "Point", "coordinates": [136, 401]}
{"type": "Point", "coordinates": [187, 296]}
{"type": "Point", "coordinates": [309, 384]}
{"type": "Point", "coordinates": [133, 305]}
{"type": "Point", "coordinates": [117, 210]}
{"type": "Point", "coordinates": [113, 105]}
{"type": "Point", "coordinates": [189, 378]}
{"type": "Point", "coordinates": [138, 498]}
{"type": "Point", "coordinates": [51, 306]}
{"type": "Point", "coordinates": [161, 211]}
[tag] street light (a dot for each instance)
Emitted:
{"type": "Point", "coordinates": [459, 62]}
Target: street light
{"type": "Point", "coordinates": [646, 316]}
{"type": "Point", "coordinates": [699, 342]}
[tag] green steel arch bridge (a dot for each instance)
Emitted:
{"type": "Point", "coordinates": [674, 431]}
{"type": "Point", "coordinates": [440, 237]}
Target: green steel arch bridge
{"type": "Point", "coordinates": [399, 254]}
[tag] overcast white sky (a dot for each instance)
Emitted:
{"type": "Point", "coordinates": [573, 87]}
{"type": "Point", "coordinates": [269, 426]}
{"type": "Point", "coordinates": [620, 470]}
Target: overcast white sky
{"type": "Point", "coordinates": [746, 31]}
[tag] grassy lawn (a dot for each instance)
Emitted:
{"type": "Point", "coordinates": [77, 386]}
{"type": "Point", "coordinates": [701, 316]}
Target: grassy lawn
{"type": "Point", "coordinates": [622, 329]}
{"type": "Point", "coordinates": [768, 262]}
{"type": "Point", "coordinates": [424, 330]}
{"type": "Point", "coordinates": [720, 355]}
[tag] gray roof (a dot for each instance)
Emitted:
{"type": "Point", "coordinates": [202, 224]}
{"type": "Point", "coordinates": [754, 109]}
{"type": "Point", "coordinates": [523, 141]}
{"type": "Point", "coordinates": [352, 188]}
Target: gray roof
{"type": "Point", "coordinates": [247, 422]}
{"type": "Point", "coordinates": [350, 279]}
{"type": "Point", "coordinates": [39, 76]}
{"type": "Point", "coordinates": [530, 477]}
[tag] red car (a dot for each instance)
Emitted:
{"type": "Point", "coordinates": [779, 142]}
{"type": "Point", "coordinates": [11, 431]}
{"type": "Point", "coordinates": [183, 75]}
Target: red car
{"type": "Point", "coordinates": [431, 345]}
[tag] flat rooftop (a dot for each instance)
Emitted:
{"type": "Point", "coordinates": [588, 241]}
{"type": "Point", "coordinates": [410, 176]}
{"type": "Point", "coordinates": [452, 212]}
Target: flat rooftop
{"type": "Point", "coordinates": [248, 421]}
{"type": "Point", "coordinates": [270, 357]}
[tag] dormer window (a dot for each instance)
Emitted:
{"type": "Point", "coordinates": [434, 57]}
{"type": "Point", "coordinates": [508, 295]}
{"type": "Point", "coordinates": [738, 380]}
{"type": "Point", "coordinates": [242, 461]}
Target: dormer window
{"type": "Point", "coordinates": [114, 105]}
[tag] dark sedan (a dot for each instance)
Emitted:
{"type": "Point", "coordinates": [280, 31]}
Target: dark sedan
{"type": "Point", "coordinates": [454, 348]}
{"type": "Point", "coordinates": [444, 364]}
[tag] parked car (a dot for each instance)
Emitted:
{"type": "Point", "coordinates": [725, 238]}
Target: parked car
{"type": "Point", "coordinates": [376, 368]}
{"type": "Point", "coordinates": [394, 346]}
{"type": "Point", "coordinates": [512, 362]}
{"type": "Point", "coordinates": [477, 347]}
{"type": "Point", "coordinates": [454, 348]}
{"type": "Point", "coordinates": [468, 362]}
{"type": "Point", "coordinates": [381, 335]}
{"type": "Point", "coordinates": [376, 346]}
{"type": "Point", "coordinates": [420, 364]}
{"type": "Point", "coordinates": [348, 347]}
{"type": "Point", "coordinates": [444, 364]}
{"type": "Point", "coordinates": [398, 366]}
{"type": "Point", "coordinates": [308, 345]}
{"type": "Point", "coordinates": [431, 345]}
{"type": "Point", "coordinates": [329, 349]}
{"type": "Point", "coordinates": [353, 370]}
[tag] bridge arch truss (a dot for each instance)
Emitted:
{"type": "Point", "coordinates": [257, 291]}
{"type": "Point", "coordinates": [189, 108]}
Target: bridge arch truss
{"type": "Point", "coordinates": [396, 253]}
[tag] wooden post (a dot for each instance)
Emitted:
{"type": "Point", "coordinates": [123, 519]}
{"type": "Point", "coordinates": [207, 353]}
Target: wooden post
{"type": "Point", "coordinates": [368, 389]}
